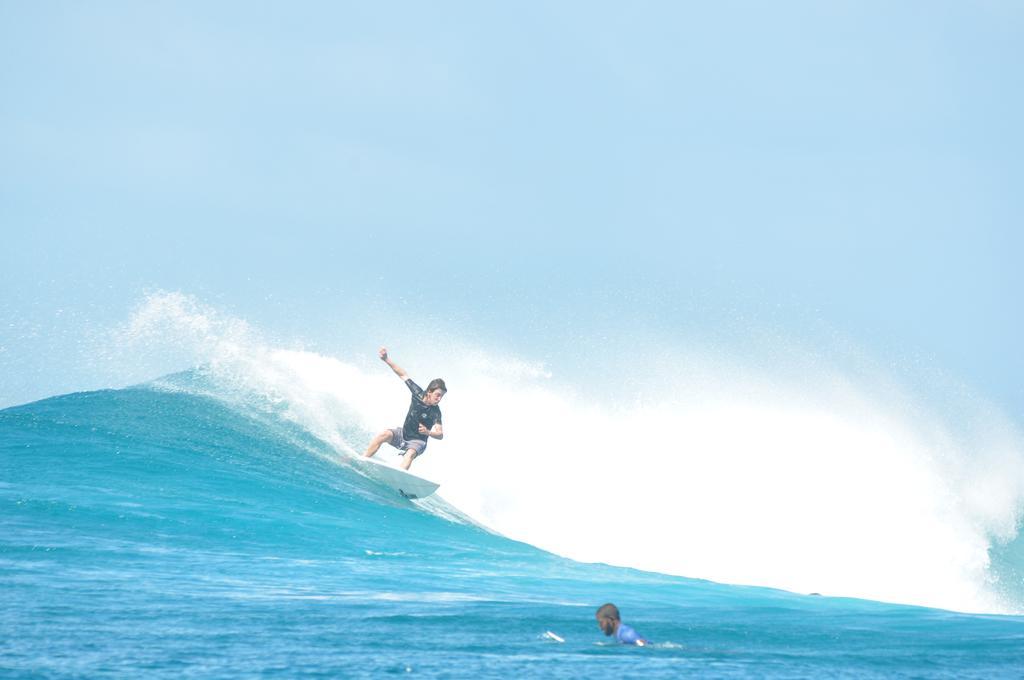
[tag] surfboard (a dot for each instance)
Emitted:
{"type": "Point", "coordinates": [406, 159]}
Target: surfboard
{"type": "Point", "coordinates": [405, 483]}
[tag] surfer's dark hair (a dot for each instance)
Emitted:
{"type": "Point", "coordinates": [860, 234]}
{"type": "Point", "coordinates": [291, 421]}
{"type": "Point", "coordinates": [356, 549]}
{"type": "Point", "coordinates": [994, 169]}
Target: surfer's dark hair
{"type": "Point", "coordinates": [608, 611]}
{"type": "Point", "coordinates": [436, 384]}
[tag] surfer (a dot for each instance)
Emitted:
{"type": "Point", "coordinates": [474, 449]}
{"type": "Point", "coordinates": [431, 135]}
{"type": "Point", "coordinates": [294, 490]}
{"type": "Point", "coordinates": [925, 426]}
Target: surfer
{"type": "Point", "coordinates": [422, 421]}
{"type": "Point", "coordinates": [608, 618]}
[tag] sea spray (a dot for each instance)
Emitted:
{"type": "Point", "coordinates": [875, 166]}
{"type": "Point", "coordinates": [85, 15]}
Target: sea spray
{"type": "Point", "coordinates": [826, 482]}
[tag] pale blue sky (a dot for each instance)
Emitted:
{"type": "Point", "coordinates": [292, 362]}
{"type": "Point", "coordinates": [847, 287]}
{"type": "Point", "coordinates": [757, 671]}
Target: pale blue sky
{"type": "Point", "coordinates": [529, 174]}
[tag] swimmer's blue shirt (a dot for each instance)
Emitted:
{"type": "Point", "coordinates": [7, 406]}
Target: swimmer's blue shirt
{"type": "Point", "coordinates": [627, 636]}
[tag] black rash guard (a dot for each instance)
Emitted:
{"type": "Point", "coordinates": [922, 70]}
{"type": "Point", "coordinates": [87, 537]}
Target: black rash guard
{"type": "Point", "coordinates": [419, 413]}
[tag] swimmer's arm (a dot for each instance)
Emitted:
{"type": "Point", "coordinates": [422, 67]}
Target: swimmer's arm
{"type": "Point", "coordinates": [399, 371]}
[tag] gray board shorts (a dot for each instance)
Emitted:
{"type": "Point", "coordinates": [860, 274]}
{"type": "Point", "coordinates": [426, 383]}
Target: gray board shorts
{"type": "Point", "coordinates": [399, 442]}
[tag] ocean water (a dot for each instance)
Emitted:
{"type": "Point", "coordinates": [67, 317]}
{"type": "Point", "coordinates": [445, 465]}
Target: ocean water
{"type": "Point", "coordinates": [158, 531]}
{"type": "Point", "coordinates": [209, 523]}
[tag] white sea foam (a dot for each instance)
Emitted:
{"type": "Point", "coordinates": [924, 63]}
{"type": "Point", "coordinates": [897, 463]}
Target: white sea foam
{"type": "Point", "coordinates": [834, 483]}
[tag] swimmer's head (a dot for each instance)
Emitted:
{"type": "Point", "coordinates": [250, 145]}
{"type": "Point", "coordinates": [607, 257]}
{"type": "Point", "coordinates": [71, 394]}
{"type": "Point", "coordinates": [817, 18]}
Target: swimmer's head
{"type": "Point", "coordinates": [608, 618]}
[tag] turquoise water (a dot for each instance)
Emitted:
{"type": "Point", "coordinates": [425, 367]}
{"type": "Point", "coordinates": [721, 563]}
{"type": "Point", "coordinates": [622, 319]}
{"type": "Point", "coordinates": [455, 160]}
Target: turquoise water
{"type": "Point", "coordinates": [148, 532]}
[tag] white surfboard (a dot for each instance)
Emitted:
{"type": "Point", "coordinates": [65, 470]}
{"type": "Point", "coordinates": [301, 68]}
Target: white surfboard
{"type": "Point", "coordinates": [405, 483]}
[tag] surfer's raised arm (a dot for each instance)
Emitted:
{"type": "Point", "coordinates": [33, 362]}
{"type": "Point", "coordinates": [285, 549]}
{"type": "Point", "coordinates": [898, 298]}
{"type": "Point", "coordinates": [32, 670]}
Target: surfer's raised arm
{"type": "Point", "coordinates": [399, 371]}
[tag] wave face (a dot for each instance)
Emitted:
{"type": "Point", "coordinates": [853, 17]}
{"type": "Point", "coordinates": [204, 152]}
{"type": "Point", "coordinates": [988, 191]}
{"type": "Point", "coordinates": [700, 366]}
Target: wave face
{"type": "Point", "coordinates": [812, 478]}
{"type": "Point", "coordinates": [209, 523]}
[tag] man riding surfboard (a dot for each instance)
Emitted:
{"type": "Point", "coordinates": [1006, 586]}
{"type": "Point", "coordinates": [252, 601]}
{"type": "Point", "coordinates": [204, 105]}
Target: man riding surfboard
{"type": "Point", "coordinates": [422, 421]}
